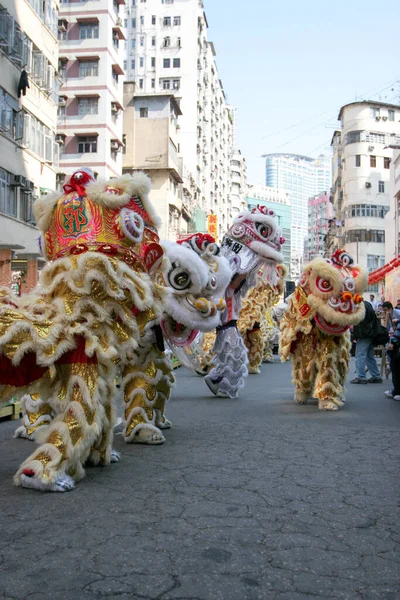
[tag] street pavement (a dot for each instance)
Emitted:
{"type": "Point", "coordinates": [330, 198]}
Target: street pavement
{"type": "Point", "coordinates": [253, 498]}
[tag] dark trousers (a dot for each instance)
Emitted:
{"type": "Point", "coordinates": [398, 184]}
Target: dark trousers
{"type": "Point", "coordinates": [395, 368]}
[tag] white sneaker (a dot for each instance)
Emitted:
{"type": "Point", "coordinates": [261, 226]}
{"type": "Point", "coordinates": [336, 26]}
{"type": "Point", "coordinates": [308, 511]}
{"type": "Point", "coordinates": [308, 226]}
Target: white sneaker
{"type": "Point", "coordinates": [396, 398]}
{"type": "Point", "coordinates": [389, 394]}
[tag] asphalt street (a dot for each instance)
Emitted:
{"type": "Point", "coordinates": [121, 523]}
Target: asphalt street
{"type": "Point", "coordinates": [253, 498]}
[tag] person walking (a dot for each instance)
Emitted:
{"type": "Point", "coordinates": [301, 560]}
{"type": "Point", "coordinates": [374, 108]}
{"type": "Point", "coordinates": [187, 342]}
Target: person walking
{"type": "Point", "coordinates": [373, 302]}
{"type": "Point", "coordinates": [364, 334]}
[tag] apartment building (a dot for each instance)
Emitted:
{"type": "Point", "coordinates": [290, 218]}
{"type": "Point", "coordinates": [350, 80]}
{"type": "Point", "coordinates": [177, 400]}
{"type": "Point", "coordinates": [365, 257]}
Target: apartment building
{"type": "Point", "coordinates": [167, 50]}
{"type": "Point", "coordinates": [303, 177]}
{"type": "Point", "coordinates": [151, 139]}
{"type": "Point", "coordinates": [238, 177]}
{"type": "Point", "coordinates": [28, 113]}
{"type": "Point", "coordinates": [361, 192]}
{"type": "Point", "coordinates": [279, 201]}
{"type": "Point", "coordinates": [90, 104]}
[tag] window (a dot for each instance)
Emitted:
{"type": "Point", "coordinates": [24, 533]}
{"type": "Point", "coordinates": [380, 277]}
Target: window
{"type": "Point", "coordinates": [176, 84]}
{"type": "Point", "coordinates": [166, 63]}
{"type": "Point", "coordinates": [153, 83]}
{"type": "Point", "coordinates": [88, 31]}
{"type": "Point", "coordinates": [125, 22]}
{"type": "Point", "coordinates": [167, 42]}
{"type": "Point", "coordinates": [141, 84]}
{"type": "Point", "coordinates": [167, 1]}
{"type": "Point", "coordinates": [8, 204]}
{"type": "Point", "coordinates": [89, 68]}
{"type": "Point", "coordinates": [133, 64]}
{"type": "Point", "coordinates": [142, 40]}
{"type": "Point", "coordinates": [133, 44]}
{"type": "Point", "coordinates": [177, 20]}
{"type": "Point", "coordinates": [365, 235]}
{"type": "Point", "coordinates": [352, 137]}
{"type": "Point", "coordinates": [366, 210]}
{"type": "Point", "coordinates": [141, 61]}
{"type": "Point", "coordinates": [391, 115]}
{"type": "Point", "coordinates": [166, 84]}
{"type": "Point", "coordinates": [375, 261]}
{"type": "Point", "coordinates": [153, 40]}
{"type": "Point", "coordinates": [153, 61]}
{"type": "Point", "coordinates": [144, 112]}
{"type": "Point", "coordinates": [153, 19]}
{"type": "Point", "coordinates": [386, 162]}
{"type": "Point", "coordinates": [114, 77]}
{"type": "Point", "coordinates": [358, 160]}
{"type": "Point", "coordinates": [88, 106]}
{"type": "Point", "coordinates": [375, 112]}
{"type": "Point", "coordinates": [133, 23]}
{"type": "Point", "coordinates": [167, 21]}
{"type": "Point", "coordinates": [178, 42]}
{"type": "Point", "coordinates": [125, 65]}
{"type": "Point", "coordinates": [87, 144]}
{"type": "Point", "coordinates": [381, 187]}
{"type": "Point", "coordinates": [38, 137]}
{"type": "Point", "coordinates": [11, 116]}
{"type": "Point", "coordinates": [372, 161]}
{"type": "Point", "coordinates": [177, 63]}
{"type": "Point", "coordinates": [142, 20]}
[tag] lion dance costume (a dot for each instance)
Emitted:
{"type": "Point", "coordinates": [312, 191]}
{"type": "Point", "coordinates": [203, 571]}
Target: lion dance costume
{"type": "Point", "coordinates": [255, 321]}
{"type": "Point", "coordinates": [98, 296]}
{"type": "Point", "coordinates": [314, 329]}
{"type": "Point", "coordinates": [253, 243]}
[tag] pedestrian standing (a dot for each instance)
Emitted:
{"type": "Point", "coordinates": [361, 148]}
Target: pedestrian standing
{"type": "Point", "coordinates": [364, 334]}
{"type": "Point", "coordinates": [394, 354]}
{"type": "Point", "coordinates": [373, 302]}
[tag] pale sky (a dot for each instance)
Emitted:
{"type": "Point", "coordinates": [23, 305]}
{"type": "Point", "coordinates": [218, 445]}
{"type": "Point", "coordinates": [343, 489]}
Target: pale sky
{"type": "Point", "coordinates": [283, 63]}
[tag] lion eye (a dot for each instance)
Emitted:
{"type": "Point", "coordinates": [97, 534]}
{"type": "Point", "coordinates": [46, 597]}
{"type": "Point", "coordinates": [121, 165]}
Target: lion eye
{"type": "Point", "coordinates": [263, 230]}
{"type": "Point", "coordinates": [179, 279]}
{"type": "Point", "coordinates": [324, 285]}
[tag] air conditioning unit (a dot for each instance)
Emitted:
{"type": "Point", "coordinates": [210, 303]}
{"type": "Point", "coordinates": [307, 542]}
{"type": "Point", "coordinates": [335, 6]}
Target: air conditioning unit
{"type": "Point", "coordinates": [371, 148]}
{"type": "Point", "coordinates": [384, 118]}
{"type": "Point", "coordinates": [377, 118]}
{"type": "Point", "coordinates": [114, 108]}
{"type": "Point", "coordinates": [19, 180]}
{"type": "Point", "coordinates": [62, 101]}
{"type": "Point", "coordinates": [114, 146]}
{"type": "Point", "coordinates": [60, 138]}
{"type": "Point", "coordinates": [368, 184]}
{"type": "Point", "coordinates": [62, 26]}
{"type": "Point", "coordinates": [119, 22]}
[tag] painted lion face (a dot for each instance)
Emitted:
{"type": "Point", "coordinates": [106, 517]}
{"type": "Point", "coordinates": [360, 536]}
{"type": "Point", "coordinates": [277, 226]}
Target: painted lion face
{"type": "Point", "coordinates": [333, 291]}
{"type": "Point", "coordinates": [197, 282]}
{"type": "Point", "coordinates": [253, 235]}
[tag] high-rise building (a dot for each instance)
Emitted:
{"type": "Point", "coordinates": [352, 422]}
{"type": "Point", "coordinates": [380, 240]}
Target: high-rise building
{"type": "Point", "coordinates": [302, 177]}
{"type": "Point", "coordinates": [167, 51]}
{"type": "Point", "coordinates": [361, 191]}
{"type": "Point", "coordinates": [28, 113]}
{"type": "Point", "coordinates": [392, 245]}
{"type": "Point", "coordinates": [320, 213]}
{"type": "Point", "coordinates": [91, 98]}
{"type": "Point", "coordinates": [238, 176]}
{"type": "Point", "coordinates": [279, 201]}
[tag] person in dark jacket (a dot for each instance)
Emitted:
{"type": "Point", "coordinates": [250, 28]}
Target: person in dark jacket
{"type": "Point", "coordinates": [364, 334]}
{"type": "Point", "coordinates": [393, 351]}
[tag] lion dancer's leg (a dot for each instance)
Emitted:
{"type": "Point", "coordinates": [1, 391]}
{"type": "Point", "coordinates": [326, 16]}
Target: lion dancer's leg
{"type": "Point", "coordinates": [36, 414]}
{"type": "Point", "coordinates": [147, 385]}
{"type": "Point", "coordinates": [254, 341]}
{"type": "Point", "coordinates": [268, 356]}
{"type": "Point", "coordinates": [332, 364]}
{"type": "Point", "coordinates": [229, 364]}
{"type": "Point", "coordinates": [303, 367]}
{"type": "Point", "coordinates": [76, 428]}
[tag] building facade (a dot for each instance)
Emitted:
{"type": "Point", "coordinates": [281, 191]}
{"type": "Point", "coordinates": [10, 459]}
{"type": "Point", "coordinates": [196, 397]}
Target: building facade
{"type": "Point", "coordinates": [28, 114]}
{"type": "Point", "coordinates": [238, 176]}
{"type": "Point", "coordinates": [280, 202]}
{"type": "Point", "coordinates": [302, 177]}
{"type": "Point", "coordinates": [151, 140]}
{"type": "Point", "coordinates": [361, 191]}
{"type": "Point", "coordinates": [320, 213]}
{"type": "Point", "coordinates": [392, 244]}
{"type": "Point", "coordinates": [167, 50]}
{"type": "Point", "coordinates": [89, 128]}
